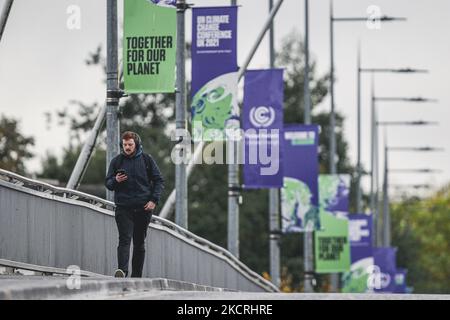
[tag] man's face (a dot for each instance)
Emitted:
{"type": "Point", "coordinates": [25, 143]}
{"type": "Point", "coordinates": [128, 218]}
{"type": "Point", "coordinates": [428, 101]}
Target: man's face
{"type": "Point", "coordinates": [129, 146]}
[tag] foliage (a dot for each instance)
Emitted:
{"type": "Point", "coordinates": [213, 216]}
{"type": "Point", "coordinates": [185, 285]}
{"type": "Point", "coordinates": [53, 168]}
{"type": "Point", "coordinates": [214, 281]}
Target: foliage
{"type": "Point", "coordinates": [14, 146]}
{"type": "Point", "coordinates": [420, 230]}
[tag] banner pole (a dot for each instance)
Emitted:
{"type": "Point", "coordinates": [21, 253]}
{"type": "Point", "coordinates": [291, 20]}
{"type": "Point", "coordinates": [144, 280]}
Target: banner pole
{"type": "Point", "coordinates": [181, 207]}
{"type": "Point", "coordinates": [308, 255]}
{"type": "Point", "coordinates": [233, 193]}
{"type": "Point", "coordinates": [274, 195]}
{"type": "Point", "coordinates": [113, 93]}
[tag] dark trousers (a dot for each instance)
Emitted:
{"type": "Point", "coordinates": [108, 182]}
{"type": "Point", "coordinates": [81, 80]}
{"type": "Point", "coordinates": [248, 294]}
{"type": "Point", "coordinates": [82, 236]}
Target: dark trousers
{"type": "Point", "coordinates": [132, 224]}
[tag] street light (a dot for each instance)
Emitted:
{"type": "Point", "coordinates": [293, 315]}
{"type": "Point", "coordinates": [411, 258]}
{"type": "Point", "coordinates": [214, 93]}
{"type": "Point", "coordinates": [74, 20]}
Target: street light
{"type": "Point", "coordinates": [358, 136]}
{"type": "Point", "coordinates": [332, 113]}
{"type": "Point", "coordinates": [416, 149]}
{"type": "Point", "coordinates": [335, 279]}
{"type": "Point", "coordinates": [374, 147]}
{"type": "Point", "coordinates": [415, 170]}
{"type": "Point", "coordinates": [414, 99]}
{"type": "Point", "coordinates": [386, 213]}
{"type": "Point", "coordinates": [393, 70]}
{"type": "Point", "coordinates": [415, 186]}
{"type": "Point", "coordinates": [412, 123]}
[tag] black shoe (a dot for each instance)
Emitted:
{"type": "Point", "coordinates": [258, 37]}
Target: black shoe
{"type": "Point", "coordinates": [119, 274]}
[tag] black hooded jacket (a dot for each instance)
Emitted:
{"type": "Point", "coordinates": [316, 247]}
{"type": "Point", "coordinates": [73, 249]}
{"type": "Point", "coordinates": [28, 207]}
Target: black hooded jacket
{"type": "Point", "coordinates": [141, 186]}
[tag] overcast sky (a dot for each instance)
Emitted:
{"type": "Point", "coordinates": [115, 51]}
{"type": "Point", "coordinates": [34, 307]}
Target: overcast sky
{"type": "Point", "coordinates": [42, 68]}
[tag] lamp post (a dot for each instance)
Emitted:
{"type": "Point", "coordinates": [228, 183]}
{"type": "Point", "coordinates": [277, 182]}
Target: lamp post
{"type": "Point", "coordinates": [181, 185]}
{"type": "Point", "coordinates": [372, 71]}
{"type": "Point", "coordinates": [332, 114]}
{"type": "Point", "coordinates": [274, 193]}
{"type": "Point", "coordinates": [307, 96]}
{"type": "Point", "coordinates": [308, 255]}
{"type": "Point", "coordinates": [413, 123]}
{"type": "Point", "coordinates": [374, 153]}
{"type": "Point", "coordinates": [113, 92]}
{"type": "Point", "coordinates": [414, 186]}
{"type": "Point", "coordinates": [416, 149]}
{"type": "Point", "coordinates": [332, 152]}
{"type": "Point", "coordinates": [414, 171]}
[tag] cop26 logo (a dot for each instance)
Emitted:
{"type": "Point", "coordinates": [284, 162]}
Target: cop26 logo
{"type": "Point", "coordinates": [262, 116]}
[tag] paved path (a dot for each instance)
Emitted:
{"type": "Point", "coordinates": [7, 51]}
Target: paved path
{"type": "Point", "coordinates": [56, 287]}
{"type": "Point", "coordinates": [187, 295]}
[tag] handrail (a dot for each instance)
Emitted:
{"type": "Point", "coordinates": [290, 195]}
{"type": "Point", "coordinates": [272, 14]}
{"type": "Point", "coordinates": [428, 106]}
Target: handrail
{"type": "Point", "coordinates": [46, 270]}
{"type": "Point", "coordinates": [100, 203]}
{"type": "Point", "coordinates": [58, 191]}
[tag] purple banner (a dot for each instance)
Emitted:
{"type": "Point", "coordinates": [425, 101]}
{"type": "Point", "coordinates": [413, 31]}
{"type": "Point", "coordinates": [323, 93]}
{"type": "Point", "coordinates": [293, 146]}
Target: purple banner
{"type": "Point", "coordinates": [214, 72]}
{"type": "Point", "coordinates": [262, 122]}
{"type": "Point", "coordinates": [300, 194]}
{"type": "Point", "coordinates": [214, 44]}
{"type": "Point", "coordinates": [384, 269]}
{"type": "Point", "coordinates": [334, 190]}
{"type": "Point", "coordinates": [360, 278]}
{"type": "Point", "coordinates": [339, 186]}
{"type": "Point", "coordinates": [400, 281]}
{"type": "Point", "coordinates": [360, 234]}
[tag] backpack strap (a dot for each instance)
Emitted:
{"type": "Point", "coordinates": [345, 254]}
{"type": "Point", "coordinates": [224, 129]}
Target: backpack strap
{"type": "Point", "coordinates": [148, 166]}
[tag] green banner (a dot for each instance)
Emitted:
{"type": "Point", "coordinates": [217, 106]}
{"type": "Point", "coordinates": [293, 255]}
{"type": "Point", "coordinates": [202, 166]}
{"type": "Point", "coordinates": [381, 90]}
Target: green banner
{"type": "Point", "coordinates": [332, 250]}
{"type": "Point", "coordinates": [332, 247]}
{"type": "Point", "coordinates": [149, 47]}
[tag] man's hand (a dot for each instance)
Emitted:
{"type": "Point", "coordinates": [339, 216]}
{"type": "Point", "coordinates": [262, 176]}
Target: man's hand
{"type": "Point", "coordinates": [149, 206]}
{"type": "Point", "coordinates": [120, 177]}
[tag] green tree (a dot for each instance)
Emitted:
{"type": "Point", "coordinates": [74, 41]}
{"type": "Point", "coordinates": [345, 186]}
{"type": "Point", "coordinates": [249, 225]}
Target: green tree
{"type": "Point", "coordinates": [14, 146]}
{"type": "Point", "coordinates": [420, 231]}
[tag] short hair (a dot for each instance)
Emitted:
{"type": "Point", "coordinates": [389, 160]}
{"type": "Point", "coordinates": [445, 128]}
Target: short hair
{"type": "Point", "coordinates": [130, 135]}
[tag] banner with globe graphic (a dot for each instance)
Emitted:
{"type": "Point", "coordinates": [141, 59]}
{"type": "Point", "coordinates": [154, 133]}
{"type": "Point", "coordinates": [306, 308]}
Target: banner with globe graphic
{"type": "Point", "coordinates": [359, 279]}
{"type": "Point", "coordinates": [332, 247]}
{"type": "Point", "coordinates": [300, 194]}
{"type": "Point", "coordinates": [214, 106]}
{"type": "Point", "coordinates": [400, 281]}
{"type": "Point", "coordinates": [262, 122]}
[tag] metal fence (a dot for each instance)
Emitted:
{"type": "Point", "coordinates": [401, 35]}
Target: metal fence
{"type": "Point", "coordinates": [57, 227]}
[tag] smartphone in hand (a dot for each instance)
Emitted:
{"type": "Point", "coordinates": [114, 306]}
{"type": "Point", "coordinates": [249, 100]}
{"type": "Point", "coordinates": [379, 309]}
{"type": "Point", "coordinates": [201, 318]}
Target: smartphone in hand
{"type": "Point", "coordinates": [121, 175]}
{"type": "Point", "coordinates": [121, 171]}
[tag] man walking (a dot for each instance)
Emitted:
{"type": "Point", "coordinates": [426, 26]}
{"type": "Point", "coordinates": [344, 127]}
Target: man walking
{"type": "Point", "coordinates": [137, 184]}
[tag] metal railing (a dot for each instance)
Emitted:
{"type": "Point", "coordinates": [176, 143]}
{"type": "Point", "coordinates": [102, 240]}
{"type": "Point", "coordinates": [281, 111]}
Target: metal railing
{"type": "Point", "coordinates": [56, 191]}
{"type": "Point", "coordinates": [107, 207]}
{"type": "Point", "coordinates": [48, 271]}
